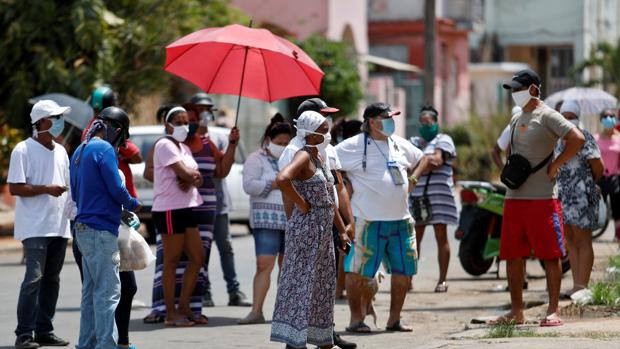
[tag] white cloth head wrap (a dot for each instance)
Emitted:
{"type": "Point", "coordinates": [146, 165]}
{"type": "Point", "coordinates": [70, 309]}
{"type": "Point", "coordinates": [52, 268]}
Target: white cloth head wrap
{"type": "Point", "coordinates": [307, 121]}
{"type": "Point", "coordinates": [570, 106]}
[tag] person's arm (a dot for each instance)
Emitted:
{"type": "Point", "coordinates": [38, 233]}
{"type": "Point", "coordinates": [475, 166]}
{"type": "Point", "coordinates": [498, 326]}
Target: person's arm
{"type": "Point", "coordinates": [496, 155]}
{"type": "Point", "coordinates": [574, 140]}
{"type": "Point", "coordinates": [225, 162]}
{"type": "Point", "coordinates": [423, 166]}
{"type": "Point", "coordinates": [130, 153]}
{"type": "Point", "coordinates": [187, 174]}
{"type": "Point", "coordinates": [108, 165]}
{"type": "Point", "coordinates": [253, 182]}
{"type": "Point", "coordinates": [29, 190]}
{"type": "Point", "coordinates": [344, 207]}
{"type": "Point", "coordinates": [597, 168]}
{"type": "Point", "coordinates": [290, 195]}
{"type": "Point", "coordinates": [149, 167]}
{"type": "Point", "coordinates": [342, 229]}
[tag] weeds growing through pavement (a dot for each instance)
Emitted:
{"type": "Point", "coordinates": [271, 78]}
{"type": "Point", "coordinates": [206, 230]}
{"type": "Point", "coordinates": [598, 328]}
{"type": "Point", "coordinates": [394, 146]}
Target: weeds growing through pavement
{"type": "Point", "coordinates": [607, 292]}
{"type": "Point", "coordinates": [509, 330]}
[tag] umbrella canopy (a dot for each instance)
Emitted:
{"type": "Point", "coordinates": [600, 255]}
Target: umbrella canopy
{"type": "Point", "coordinates": [81, 112]}
{"type": "Point", "coordinates": [243, 61]}
{"type": "Point", "coordinates": [591, 100]}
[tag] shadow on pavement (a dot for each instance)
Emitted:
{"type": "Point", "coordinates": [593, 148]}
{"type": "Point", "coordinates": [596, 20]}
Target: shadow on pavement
{"type": "Point", "coordinates": [138, 325]}
{"type": "Point", "coordinates": [451, 309]}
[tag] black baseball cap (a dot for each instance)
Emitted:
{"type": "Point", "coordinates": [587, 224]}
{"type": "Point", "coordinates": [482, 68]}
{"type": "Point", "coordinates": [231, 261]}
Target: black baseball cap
{"type": "Point", "coordinates": [525, 77]}
{"type": "Point", "coordinates": [379, 109]}
{"type": "Point", "coordinates": [315, 104]}
{"type": "Point", "coordinates": [202, 98]}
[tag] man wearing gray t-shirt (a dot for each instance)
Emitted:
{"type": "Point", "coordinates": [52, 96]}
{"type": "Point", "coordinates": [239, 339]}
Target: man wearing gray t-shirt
{"type": "Point", "coordinates": [532, 213]}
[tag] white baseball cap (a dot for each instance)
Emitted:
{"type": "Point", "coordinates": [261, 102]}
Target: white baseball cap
{"type": "Point", "coordinates": [45, 108]}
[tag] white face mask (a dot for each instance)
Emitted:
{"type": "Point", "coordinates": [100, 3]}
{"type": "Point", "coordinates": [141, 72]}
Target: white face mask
{"type": "Point", "coordinates": [205, 117]}
{"type": "Point", "coordinates": [521, 98]}
{"type": "Point", "coordinates": [275, 149]}
{"type": "Point", "coordinates": [574, 122]}
{"type": "Point", "coordinates": [327, 138]}
{"type": "Point", "coordinates": [179, 133]}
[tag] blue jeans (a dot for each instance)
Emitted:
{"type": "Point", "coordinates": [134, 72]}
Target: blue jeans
{"type": "Point", "coordinates": [39, 291]}
{"type": "Point", "coordinates": [268, 242]}
{"type": "Point", "coordinates": [101, 288]}
{"type": "Point", "coordinates": [221, 235]}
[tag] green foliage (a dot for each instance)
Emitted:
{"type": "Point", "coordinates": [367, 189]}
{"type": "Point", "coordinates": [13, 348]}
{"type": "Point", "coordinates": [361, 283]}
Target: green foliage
{"type": "Point", "coordinates": [474, 140]}
{"type": "Point", "coordinates": [606, 56]}
{"type": "Point", "coordinates": [9, 137]}
{"type": "Point", "coordinates": [71, 46]}
{"type": "Point", "coordinates": [606, 292]}
{"type": "Point", "coordinates": [341, 86]}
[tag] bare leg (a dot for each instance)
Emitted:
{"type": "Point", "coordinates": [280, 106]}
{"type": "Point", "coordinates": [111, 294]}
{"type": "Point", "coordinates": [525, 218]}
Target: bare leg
{"type": "Point", "coordinates": [443, 248]}
{"type": "Point", "coordinates": [353, 283]}
{"type": "Point", "coordinates": [573, 256]}
{"type": "Point", "coordinates": [264, 267]}
{"type": "Point", "coordinates": [399, 292]}
{"type": "Point", "coordinates": [340, 281]}
{"type": "Point", "coordinates": [173, 249]}
{"type": "Point", "coordinates": [583, 242]}
{"type": "Point", "coordinates": [553, 269]}
{"type": "Point", "coordinates": [196, 258]}
{"type": "Point", "coordinates": [419, 234]}
{"type": "Point", "coordinates": [515, 271]}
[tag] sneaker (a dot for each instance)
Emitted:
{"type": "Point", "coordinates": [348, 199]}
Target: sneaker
{"type": "Point", "coordinates": [252, 319]}
{"type": "Point", "coordinates": [26, 342]}
{"type": "Point", "coordinates": [50, 340]}
{"type": "Point", "coordinates": [238, 299]}
{"type": "Point", "coordinates": [342, 343]}
{"type": "Point", "coordinates": [207, 301]}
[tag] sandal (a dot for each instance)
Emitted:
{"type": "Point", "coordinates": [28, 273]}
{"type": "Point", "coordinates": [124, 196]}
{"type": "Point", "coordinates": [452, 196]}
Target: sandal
{"type": "Point", "coordinates": [153, 318]}
{"type": "Point", "coordinates": [441, 287]}
{"type": "Point", "coordinates": [399, 327]}
{"type": "Point", "coordinates": [199, 319]}
{"type": "Point", "coordinates": [359, 327]}
{"type": "Point", "coordinates": [185, 322]}
{"type": "Point", "coordinates": [552, 320]}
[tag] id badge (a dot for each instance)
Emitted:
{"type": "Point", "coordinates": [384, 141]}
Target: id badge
{"type": "Point", "coordinates": [397, 176]}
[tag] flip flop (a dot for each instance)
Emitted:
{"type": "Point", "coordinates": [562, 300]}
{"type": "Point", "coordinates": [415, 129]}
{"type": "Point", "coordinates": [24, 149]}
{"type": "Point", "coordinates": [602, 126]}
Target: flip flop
{"type": "Point", "coordinates": [179, 323]}
{"type": "Point", "coordinates": [359, 327]}
{"type": "Point", "coordinates": [398, 327]}
{"type": "Point", "coordinates": [199, 319]}
{"type": "Point", "coordinates": [551, 322]}
{"type": "Point", "coordinates": [441, 287]}
{"type": "Point", "coordinates": [154, 319]}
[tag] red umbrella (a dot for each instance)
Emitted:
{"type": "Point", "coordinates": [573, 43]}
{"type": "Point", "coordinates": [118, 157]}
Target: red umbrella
{"type": "Point", "coordinates": [243, 61]}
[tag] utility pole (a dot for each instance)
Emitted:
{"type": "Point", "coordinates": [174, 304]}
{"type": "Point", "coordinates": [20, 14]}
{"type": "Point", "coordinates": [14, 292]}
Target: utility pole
{"type": "Point", "coordinates": [430, 35]}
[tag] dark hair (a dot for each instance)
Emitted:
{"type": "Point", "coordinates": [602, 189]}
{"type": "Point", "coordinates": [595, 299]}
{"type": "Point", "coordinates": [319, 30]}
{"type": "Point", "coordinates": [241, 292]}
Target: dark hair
{"type": "Point", "coordinates": [606, 112]}
{"type": "Point", "coordinates": [429, 109]}
{"type": "Point", "coordinates": [276, 127]}
{"type": "Point", "coordinates": [162, 111]}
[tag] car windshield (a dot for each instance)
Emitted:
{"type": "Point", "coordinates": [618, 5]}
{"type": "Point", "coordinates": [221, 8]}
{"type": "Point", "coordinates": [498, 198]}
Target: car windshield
{"type": "Point", "coordinates": [145, 142]}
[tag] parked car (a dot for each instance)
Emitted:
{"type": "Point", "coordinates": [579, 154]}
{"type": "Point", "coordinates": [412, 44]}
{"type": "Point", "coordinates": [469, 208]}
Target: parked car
{"type": "Point", "coordinates": [145, 136]}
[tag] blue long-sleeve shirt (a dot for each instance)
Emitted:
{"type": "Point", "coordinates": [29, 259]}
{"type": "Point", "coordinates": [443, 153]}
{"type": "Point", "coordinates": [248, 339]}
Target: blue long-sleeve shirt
{"type": "Point", "coordinates": [96, 187]}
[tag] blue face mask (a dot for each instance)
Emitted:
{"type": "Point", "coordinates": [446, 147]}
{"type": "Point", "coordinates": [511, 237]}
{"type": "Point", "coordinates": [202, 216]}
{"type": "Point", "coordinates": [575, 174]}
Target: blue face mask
{"type": "Point", "coordinates": [609, 122]}
{"type": "Point", "coordinates": [388, 126]}
{"type": "Point", "coordinates": [58, 125]}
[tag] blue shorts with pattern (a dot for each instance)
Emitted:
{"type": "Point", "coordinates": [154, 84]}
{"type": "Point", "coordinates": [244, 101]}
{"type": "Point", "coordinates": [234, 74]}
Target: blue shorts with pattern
{"type": "Point", "coordinates": [390, 242]}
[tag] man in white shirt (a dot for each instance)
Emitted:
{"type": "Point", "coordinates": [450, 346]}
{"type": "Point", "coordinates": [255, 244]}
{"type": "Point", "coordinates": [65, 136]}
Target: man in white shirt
{"type": "Point", "coordinates": [503, 141]}
{"type": "Point", "coordinates": [333, 165]}
{"type": "Point", "coordinates": [39, 177]}
{"type": "Point", "coordinates": [383, 169]}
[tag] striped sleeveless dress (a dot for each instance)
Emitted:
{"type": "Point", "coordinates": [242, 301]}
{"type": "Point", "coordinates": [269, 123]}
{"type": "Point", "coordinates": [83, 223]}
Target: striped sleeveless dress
{"type": "Point", "coordinates": [205, 217]}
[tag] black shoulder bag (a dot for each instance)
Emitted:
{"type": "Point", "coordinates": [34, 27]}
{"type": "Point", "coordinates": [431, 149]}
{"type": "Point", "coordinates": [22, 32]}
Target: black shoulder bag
{"type": "Point", "coordinates": [518, 169]}
{"type": "Point", "coordinates": [421, 205]}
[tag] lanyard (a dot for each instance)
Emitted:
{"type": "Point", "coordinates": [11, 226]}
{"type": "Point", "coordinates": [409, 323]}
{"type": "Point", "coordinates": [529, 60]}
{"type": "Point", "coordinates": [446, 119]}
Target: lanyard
{"type": "Point", "coordinates": [365, 157]}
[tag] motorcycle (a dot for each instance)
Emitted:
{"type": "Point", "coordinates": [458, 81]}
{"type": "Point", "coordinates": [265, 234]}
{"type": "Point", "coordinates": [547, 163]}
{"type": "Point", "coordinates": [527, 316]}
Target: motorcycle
{"type": "Point", "coordinates": [480, 227]}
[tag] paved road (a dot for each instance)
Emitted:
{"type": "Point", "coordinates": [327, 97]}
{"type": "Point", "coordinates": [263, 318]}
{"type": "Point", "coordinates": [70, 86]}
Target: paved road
{"type": "Point", "coordinates": [434, 316]}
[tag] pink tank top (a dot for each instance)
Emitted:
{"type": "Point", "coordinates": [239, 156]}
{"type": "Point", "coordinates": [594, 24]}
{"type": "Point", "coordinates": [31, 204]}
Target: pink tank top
{"type": "Point", "coordinates": [610, 153]}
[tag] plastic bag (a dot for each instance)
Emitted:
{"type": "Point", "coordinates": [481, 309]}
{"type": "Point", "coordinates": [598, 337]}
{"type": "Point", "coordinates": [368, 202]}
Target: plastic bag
{"type": "Point", "coordinates": [134, 250]}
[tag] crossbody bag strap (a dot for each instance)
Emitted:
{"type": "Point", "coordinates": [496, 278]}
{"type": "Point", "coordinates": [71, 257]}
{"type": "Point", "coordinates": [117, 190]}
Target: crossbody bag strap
{"type": "Point", "coordinates": [428, 179]}
{"type": "Point", "coordinates": [542, 163]}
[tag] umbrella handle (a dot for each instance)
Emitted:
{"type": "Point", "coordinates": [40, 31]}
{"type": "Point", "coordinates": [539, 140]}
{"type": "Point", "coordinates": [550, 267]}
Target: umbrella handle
{"type": "Point", "coordinates": [245, 57]}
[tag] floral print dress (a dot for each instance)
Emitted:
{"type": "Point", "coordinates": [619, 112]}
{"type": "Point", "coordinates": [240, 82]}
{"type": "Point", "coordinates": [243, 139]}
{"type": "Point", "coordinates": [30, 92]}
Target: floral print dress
{"type": "Point", "coordinates": [304, 310]}
{"type": "Point", "coordinates": [577, 190]}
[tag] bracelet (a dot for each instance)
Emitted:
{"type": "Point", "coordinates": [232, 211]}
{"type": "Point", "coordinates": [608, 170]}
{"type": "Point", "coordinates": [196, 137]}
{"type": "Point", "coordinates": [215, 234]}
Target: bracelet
{"type": "Point", "coordinates": [414, 179]}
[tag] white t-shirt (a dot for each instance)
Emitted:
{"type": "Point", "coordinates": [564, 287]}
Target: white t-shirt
{"type": "Point", "coordinates": [504, 139]}
{"type": "Point", "coordinates": [41, 215]}
{"type": "Point", "coordinates": [333, 162]}
{"type": "Point", "coordinates": [375, 196]}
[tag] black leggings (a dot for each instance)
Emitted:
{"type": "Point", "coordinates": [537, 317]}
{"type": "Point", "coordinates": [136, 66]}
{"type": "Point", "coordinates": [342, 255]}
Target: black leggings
{"type": "Point", "coordinates": [128, 290]}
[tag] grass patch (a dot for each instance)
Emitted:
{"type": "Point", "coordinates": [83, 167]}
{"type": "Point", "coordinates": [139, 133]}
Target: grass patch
{"type": "Point", "coordinates": [607, 292]}
{"type": "Point", "coordinates": [614, 261]}
{"type": "Point", "coordinates": [510, 330]}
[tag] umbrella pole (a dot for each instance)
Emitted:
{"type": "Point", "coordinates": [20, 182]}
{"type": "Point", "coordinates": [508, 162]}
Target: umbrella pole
{"type": "Point", "coordinates": [245, 57]}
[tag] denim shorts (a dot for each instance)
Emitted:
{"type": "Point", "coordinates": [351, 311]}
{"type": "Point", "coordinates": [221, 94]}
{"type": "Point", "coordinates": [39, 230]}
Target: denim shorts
{"type": "Point", "coordinates": [268, 242]}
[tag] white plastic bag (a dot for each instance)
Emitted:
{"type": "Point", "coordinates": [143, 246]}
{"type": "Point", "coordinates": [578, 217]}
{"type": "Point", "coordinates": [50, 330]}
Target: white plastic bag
{"type": "Point", "coordinates": [134, 250]}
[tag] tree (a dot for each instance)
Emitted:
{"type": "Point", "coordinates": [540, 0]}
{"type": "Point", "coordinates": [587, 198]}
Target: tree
{"type": "Point", "coordinates": [341, 86]}
{"type": "Point", "coordinates": [70, 46]}
{"type": "Point", "coordinates": [605, 56]}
